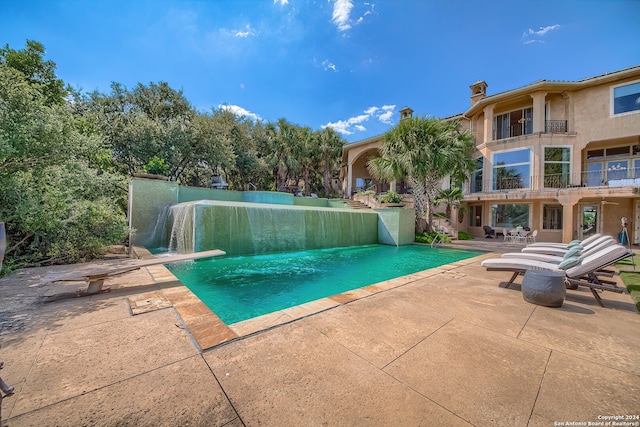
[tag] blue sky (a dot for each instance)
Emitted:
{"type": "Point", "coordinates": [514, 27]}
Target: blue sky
{"type": "Point", "coordinates": [348, 64]}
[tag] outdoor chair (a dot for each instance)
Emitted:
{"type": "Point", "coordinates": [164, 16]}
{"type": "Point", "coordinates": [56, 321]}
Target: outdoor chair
{"type": "Point", "coordinates": [488, 232]}
{"type": "Point", "coordinates": [584, 273]}
{"type": "Point", "coordinates": [531, 237]}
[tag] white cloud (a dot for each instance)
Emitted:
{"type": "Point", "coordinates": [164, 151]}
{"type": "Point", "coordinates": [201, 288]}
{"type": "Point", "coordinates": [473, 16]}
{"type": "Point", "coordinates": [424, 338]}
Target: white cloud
{"type": "Point", "coordinates": [383, 114]}
{"type": "Point", "coordinates": [341, 13]}
{"type": "Point", "coordinates": [327, 65]}
{"type": "Point", "coordinates": [385, 117]}
{"type": "Point", "coordinates": [536, 36]}
{"type": "Point", "coordinates": [239, 111]}
{"type": "Point", "coordinates": [282, 2]}
{"type": "Point", "coordinates": [342, 10]}
{"type": "Point", "coordinates": [248, 32]}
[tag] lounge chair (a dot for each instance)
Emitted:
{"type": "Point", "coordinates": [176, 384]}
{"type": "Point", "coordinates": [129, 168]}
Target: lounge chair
{"type": "Point", "coordinates": [566, 245]}
{"type": "Point", "coordinates": [583, 274]}
{"type": "Point", "coordinates": [556, 255]}
{"type": "Point", "coordinates": [560, 251]}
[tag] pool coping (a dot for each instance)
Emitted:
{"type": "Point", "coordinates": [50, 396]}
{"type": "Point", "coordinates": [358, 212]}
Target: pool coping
{"type": "Point", "coordinates": [208, 330]}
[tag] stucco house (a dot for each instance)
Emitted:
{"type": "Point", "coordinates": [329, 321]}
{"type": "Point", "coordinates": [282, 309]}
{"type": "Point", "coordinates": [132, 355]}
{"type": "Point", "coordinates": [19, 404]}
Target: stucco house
{"type": "Point", "coordinates": [560, 157]}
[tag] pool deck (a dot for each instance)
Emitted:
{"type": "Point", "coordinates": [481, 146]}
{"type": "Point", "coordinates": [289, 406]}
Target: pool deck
{"type": "Point", "coordinates": [443, 347]}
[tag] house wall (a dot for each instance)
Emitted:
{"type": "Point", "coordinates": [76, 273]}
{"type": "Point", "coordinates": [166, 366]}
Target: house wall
{"type": "Point", "coordinates": [586, 105]}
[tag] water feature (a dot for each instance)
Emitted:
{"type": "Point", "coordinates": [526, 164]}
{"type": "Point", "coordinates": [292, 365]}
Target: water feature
{"type": "Point", "coordinates": [240, 228]}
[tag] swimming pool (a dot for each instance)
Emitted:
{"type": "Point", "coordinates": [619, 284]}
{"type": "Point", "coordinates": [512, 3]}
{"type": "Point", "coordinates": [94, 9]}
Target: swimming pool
{"type": "Point", "coordinates": [243, 287]}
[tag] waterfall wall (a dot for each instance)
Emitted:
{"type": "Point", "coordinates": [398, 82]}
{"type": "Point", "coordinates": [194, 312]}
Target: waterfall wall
{"type": "Point", "coordinates": [256, 228]}
{"type": "Point", "coordinates": [161, 214]}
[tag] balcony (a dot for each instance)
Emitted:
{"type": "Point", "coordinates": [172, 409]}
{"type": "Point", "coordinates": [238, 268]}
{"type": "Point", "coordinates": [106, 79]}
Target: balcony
{"type": "Point", "coordinates": [629, 177]}
{"type": "Point", "coordinates": [555, 126]}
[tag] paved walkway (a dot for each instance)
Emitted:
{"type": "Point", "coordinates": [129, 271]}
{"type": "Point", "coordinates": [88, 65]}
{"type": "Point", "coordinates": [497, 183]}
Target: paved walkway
{"type": "Point", "coordinates": [448, 348]}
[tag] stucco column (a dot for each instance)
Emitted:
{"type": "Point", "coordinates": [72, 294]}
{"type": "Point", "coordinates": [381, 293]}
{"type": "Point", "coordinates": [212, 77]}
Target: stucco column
{"type": "Point", "coordinates": [349, 180]}
{"type": "Point", "coordinates": [568, 202]}
{"type": "Point", "coordinates": [393, 185]}
{"type": "Point", "coordinates": [538, 111]}
{"type": "Point", "coordinates": [488, 122]}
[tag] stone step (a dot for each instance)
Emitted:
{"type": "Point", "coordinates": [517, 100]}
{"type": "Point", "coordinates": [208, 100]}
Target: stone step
{"type": "Point", "coordinates": [355, 204]}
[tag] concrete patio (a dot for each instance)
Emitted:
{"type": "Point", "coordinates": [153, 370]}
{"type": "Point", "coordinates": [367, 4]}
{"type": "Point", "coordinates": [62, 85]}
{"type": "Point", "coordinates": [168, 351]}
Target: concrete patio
{"type": "Point", "coordinates": [443, 348]}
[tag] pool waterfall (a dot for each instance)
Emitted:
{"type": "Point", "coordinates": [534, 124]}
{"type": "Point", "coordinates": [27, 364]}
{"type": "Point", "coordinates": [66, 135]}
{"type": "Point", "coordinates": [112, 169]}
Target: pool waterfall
{"type": "Point", "coordinates": [188, 219]}
{"type": "Point", "coordinates": [240, 228]}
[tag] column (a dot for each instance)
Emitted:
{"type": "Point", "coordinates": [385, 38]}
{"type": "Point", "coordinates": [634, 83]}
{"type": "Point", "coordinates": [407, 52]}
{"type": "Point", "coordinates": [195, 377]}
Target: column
{"type": "Point", "coordinates": [568, 202]}
{"type": "Point", "coordinates": [488, 123]}
{"type": "Point", "coordinates": [538, 111]}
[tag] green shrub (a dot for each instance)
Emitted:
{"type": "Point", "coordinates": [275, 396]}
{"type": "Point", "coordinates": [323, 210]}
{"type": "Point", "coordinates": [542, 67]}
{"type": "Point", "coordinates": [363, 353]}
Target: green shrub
{"type": "Point", "coordinates": [429, 237]}
{"type": "Point", "coordinates": [366, 193]}
{"type": "Point", "coordinates": [391, 197]}
{"type": "Point", "coordinates": [157, 166]}
{"type": "Point", "coordinates": [463, 235]}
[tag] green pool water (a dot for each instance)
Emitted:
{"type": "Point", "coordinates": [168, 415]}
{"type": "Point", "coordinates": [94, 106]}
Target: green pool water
{"type": "Point", "coordinates": [243, 287]}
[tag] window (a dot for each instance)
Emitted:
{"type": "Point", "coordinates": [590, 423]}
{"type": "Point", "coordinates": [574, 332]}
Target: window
{"type": "Point", "coordinates": [552, 217]}
{"type": "Point", "coordinates": [513, 123]}
{"type": "Point", "coordinates": [557, 167]}
{"type": "Point", "coordinates": [476, 176]}
{"type": "Point", "coordinates": [510, 216]}
{"type": "Point", "coordinates": [617, 170]}
{"type": "Point", "coordinates": [511, 169]}
{"type": "Point", "coordinates": [612, 166]}
{"type": "Point", "coordinates": [626, 98]}
{"type": "Point", "coordinates": [475, 216]}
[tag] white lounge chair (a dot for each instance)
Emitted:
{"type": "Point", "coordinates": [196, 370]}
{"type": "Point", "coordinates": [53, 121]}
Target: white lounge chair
{"type": "Point", "coordinates": [566, 245]}
{"type": "Point", "coordinates": [558, 255]}
{"type": "Point", "coordinates": [583, 274]}
{"type": "Point", "coordinates": [560, 251]}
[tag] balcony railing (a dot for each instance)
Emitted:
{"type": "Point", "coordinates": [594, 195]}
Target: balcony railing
{"type": "Point", "coordinates": [629, 177]}
{"type": "Point", "coordinates": [555, 126]}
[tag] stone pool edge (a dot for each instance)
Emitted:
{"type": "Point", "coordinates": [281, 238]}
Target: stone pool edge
{"type": "Point", "coordinates": [208, 330]}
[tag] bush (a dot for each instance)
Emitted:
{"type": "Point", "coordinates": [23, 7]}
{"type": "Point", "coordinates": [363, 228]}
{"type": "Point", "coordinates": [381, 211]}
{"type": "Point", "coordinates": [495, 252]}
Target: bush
{"type": "Point", "coordinates": [463, 235]}
{"type": "Point", "coordinates": [429, 237]}
{"type": "Point", "coordinates": [391, 197]}
{"type": "Point", "coordinates": [157, 166]}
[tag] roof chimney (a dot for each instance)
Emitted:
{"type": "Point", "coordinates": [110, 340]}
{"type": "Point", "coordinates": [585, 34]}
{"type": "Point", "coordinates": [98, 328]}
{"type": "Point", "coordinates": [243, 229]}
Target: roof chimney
{"type": "Point", "coordinates": [478, 91]}
{"type": "Point", "coordinates": [406, 113]}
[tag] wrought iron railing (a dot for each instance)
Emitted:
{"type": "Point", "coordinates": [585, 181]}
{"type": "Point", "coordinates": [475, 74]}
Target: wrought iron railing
{"type": "Point", "coordinates": [555, 126]}
{"type": "Point", "coordinates": [629, 177]}
{"type": "Point", "coordinates": [550, 126]}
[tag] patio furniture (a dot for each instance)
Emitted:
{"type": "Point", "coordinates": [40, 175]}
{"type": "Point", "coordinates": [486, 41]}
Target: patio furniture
{"type": "Point", "coordinates": [584, 273]}
{"type": "Point", "coordinates": [488, 232]}
{"type": "Point", "coordinates": [596, 244]}
{"type": "Point", "coordinates": [511, 236]}
{"type": "Point", "coordinates": [531, 238]}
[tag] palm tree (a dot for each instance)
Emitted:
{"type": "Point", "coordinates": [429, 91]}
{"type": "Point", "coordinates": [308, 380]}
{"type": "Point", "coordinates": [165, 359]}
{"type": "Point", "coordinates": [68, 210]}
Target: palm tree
{"type": "Point", "coordinates": [424, 150]}
{"type": "Point", "coordinates": [331, 144]}
{"type": "Point", "coordinates": [452, 197]}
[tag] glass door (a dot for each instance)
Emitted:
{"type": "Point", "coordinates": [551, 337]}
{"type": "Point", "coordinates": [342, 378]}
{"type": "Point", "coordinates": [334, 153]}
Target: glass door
{"type": "Point", "coordinates": [588, 221]}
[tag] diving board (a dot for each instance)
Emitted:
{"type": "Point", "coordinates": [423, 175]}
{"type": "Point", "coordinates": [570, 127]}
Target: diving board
{"type": "Point", "coordinates": [96, 275]}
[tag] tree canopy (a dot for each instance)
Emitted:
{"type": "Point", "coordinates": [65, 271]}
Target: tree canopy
{"type": "Point", "coordinates": [424, 150]}
{"type": "Point", "coordinates": [66, 156]}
